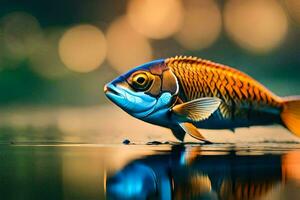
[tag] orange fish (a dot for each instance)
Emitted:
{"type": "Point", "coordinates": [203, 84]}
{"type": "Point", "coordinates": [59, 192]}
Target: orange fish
{"type": "Point", "coordinates": [185, 93]}
{"type": "Point", "coordinates": [227, 177]}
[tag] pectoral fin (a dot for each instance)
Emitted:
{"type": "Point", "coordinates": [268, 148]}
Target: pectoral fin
{"type": "Point", "coordinates": [190, 129]}
{"type": "Point", "coordinates": [198, 109]}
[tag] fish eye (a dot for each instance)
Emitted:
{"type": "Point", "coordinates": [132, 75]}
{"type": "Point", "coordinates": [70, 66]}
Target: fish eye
{"type": "Point", "coordinates": [141, 81]}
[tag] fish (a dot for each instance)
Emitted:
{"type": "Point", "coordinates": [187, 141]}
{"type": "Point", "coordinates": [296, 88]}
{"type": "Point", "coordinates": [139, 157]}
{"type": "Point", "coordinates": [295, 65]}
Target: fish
{"type": "Point", "coordinates": [185, 93]}
{"type": "Point", "coordinates": [166, 176]}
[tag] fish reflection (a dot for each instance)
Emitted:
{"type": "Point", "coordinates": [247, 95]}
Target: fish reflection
{"type": "Point", "coordinates": [185, 174]}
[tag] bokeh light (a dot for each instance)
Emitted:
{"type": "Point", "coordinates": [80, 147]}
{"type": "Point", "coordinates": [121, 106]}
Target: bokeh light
{"type": "Point", "coordinates": [21, 33]}
{"type": "Point", "coordinates": [126, 47]}
{"type": "Point", "coordinates": [155, 18]}
{"type": "Point", "coordinates": [294, 9]}
{"type": "Point", "coordinates": [201, 26]}
{"type": "Point", "coordinates": [82, 48]}
{"type": "Point", "coordinates": [46, 61]}
{"type": "Point", "coordinates": [258, 26]}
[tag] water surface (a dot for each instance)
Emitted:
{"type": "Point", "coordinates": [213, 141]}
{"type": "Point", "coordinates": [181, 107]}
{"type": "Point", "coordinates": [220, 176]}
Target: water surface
{"type": "Point", "coordinates": [85, 171]}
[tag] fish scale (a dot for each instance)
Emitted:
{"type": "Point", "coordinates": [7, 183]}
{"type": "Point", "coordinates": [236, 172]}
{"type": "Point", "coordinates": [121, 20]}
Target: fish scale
{"type": "Point", "coordinates": [187, 93]}
{"type": "Point", "coordinates": [202, 78]}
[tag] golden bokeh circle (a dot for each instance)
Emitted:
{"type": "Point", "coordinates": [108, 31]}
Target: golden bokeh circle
{"type": "Point", "coordinates": [202, 24]}
{"type": "Point", "coordinates": [155, 19]}
{"type": "Point", "coordinates": [258, 26]}
{"type": "Point", "coordinates": [126, 47]}
{"type": "Point", "coordinates": [82, 48]}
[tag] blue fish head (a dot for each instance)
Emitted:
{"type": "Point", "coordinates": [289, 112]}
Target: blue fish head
{"type": "Point", "coordinates": [135, 181]}
{"type": "Point", "coordinates": [144, 90]}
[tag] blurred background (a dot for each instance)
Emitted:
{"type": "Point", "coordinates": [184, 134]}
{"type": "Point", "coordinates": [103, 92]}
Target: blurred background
{"type": "Point", "coordinates": [55, 57]}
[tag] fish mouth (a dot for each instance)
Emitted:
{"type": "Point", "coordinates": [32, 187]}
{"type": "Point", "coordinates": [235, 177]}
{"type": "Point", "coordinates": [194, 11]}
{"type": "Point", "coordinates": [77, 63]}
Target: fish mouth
{"type": "Point", "coordinates": [111, 90]}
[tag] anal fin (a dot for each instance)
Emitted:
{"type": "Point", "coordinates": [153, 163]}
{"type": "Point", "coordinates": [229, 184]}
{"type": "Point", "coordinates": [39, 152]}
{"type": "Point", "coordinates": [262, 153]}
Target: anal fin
{"type": "Point", "coordinates": [190, 129]}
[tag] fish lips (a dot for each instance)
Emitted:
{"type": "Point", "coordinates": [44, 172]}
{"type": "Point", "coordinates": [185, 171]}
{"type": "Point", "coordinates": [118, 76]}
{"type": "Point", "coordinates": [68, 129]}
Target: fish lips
{"type": "Point", "coordinates": [129, 101]}
{"type": "Point", "coordinates": [113, 93]}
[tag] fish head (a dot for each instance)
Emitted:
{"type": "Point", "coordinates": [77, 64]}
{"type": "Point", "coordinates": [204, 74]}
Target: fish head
{"type": "Point", "coordinates": [144, 90]}
{"type": "Point", "coordinates": [135, 181]}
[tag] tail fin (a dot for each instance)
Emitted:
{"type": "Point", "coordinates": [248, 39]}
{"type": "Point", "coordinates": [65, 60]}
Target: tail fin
{"type": "Point", "coordinates": [290, 114]}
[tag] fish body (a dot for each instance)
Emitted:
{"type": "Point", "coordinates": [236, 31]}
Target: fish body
{"type": "Point", "coordinates": [245, 102]}
{"type": "Point", "coordinates": [169, 176]}
{"type": "Point", "coordinates": [185, 93]}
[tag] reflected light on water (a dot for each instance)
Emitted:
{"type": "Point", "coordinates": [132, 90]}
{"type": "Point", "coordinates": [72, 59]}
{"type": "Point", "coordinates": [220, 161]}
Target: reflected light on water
{"type": "Point", "coordinates": [21, 34]}
{"type": "Point", "coordinates": [82, 48]}
{"type": "Point", "coordinates": [193, 183]}
{"type": "Point", "coordinates": [205, 177]}
{"type": "Point", "coordinates": [258, 26]}
{"type": "Point", "coordinates": [88, 171]}
{"type": "Point", "coordinates": [291, 166]}
{"type": "Point", "coordinates": [155, 18]}
{"type": "Point", "coordinates": [201, 26]}
{"type": "Point", "coordinates": [83, 166]}
{"type": "Point", "coordinates": [126, 47]}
